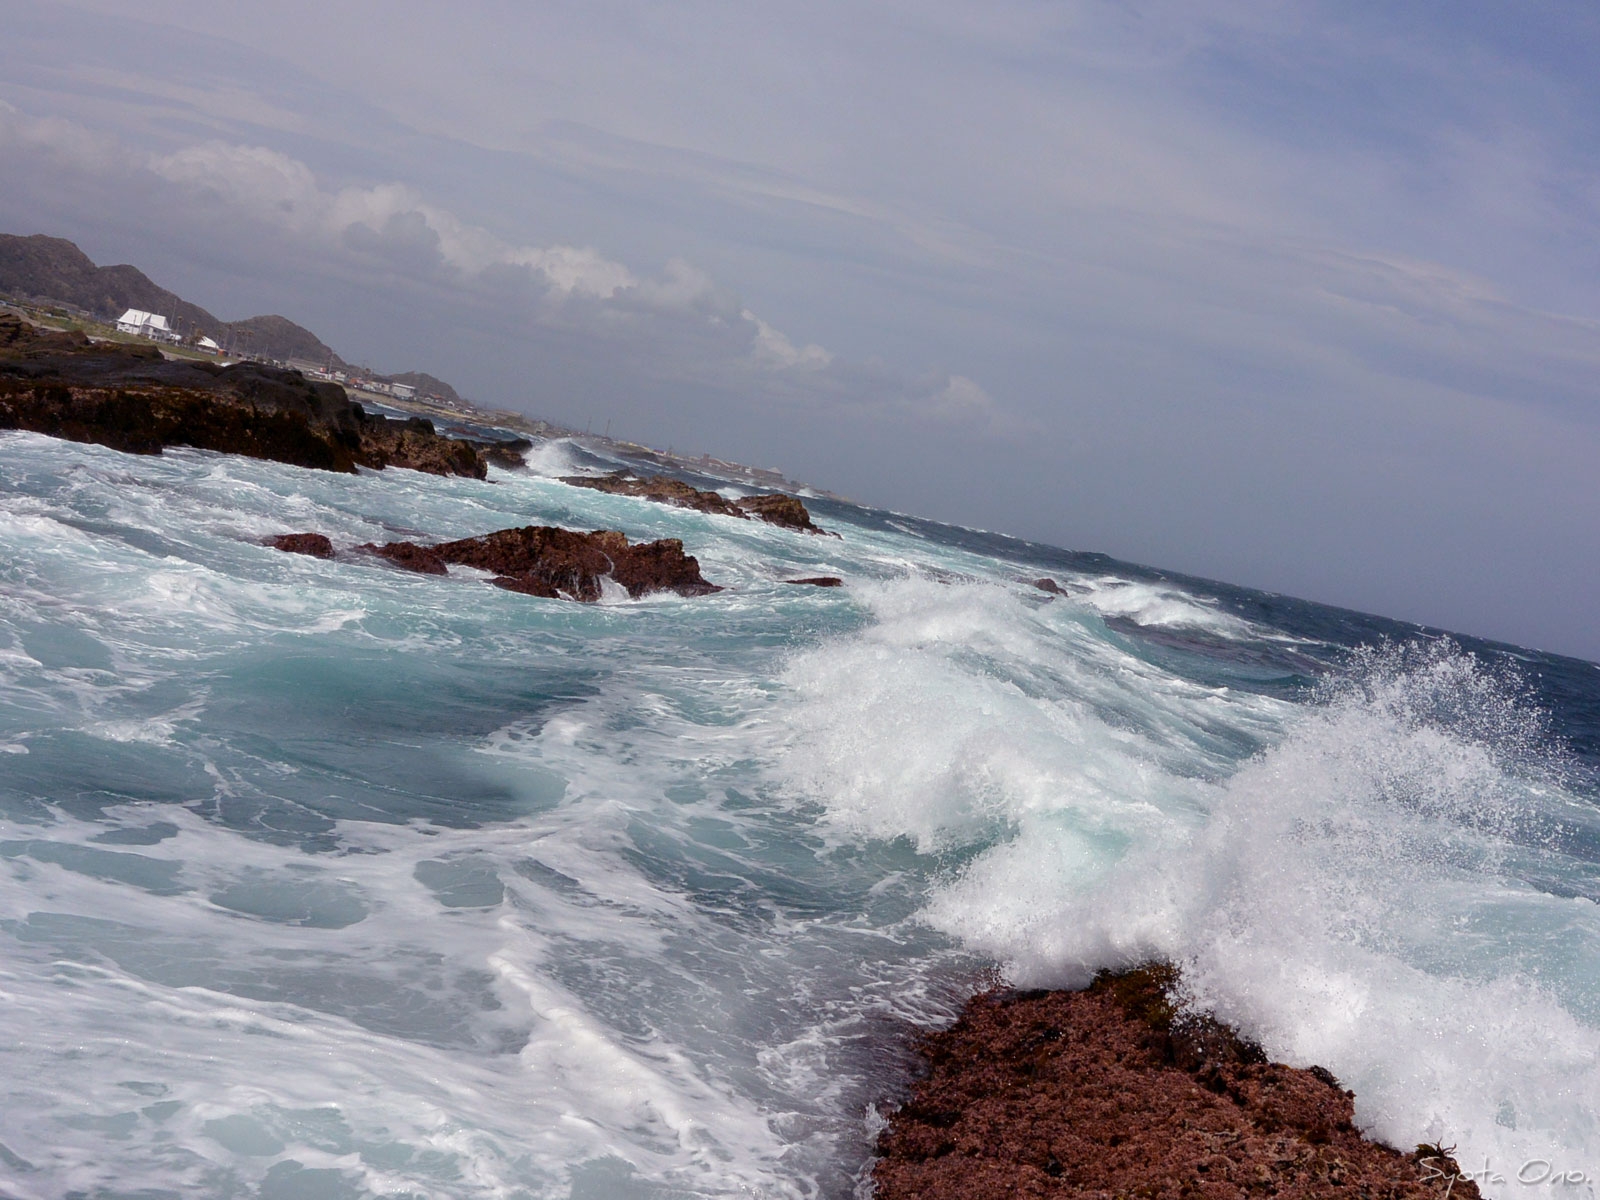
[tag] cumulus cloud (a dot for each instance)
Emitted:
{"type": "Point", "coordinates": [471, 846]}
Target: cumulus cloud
{"type": "Point", "coordinates": [718, 339]}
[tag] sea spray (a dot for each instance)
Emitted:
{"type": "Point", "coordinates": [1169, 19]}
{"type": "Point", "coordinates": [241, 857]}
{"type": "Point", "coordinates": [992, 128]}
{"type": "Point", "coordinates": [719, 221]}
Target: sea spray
{"type": "Point", "coordinates": [317, 877]}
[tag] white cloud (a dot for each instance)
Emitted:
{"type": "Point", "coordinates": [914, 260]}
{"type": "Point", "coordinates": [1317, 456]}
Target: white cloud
{"type": "Point", "coordinates": [678, 323]}
{"type": "Point", "coordinates": [773, 349]}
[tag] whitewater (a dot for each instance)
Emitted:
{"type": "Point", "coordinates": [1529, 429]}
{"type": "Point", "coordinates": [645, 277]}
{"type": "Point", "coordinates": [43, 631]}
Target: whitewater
{"type": "Point", "coordinates": [322, 879]}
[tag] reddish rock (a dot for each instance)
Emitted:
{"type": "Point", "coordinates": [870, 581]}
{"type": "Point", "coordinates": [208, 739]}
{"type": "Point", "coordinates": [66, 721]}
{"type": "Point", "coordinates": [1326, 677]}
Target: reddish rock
{"type": "Point", "coordinates": [663, 489]}
{"type": "Point", "coordinates": [779, 509]}
{"type": "Point", "coordinates": [775, 508]}
{"type": "Point", "coordinates": [315, 544]}
{"type": "Point", "coordinates": [819, 581]}
{"type": "Point", "coordinates": [1114, 1092]}
{"type": "Point", "coordinates": [1051, 586]}
{"type": "Point", "coordinates": [410, 556]}
{"type": "Point", "coordinates": [541, 560]}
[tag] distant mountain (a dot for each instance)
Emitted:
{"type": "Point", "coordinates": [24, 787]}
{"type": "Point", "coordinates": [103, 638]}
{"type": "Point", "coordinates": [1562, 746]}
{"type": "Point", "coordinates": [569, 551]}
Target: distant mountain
{"type": "Point", "coordinates": [55, 270]}
{"type": "Point", "coordinates": [280, 338]}
{"type": "Point", "coordinates": [50, 268]}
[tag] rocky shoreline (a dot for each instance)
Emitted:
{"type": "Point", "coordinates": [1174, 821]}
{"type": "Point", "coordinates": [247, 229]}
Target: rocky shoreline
{"type": "Point", "coordinates": [133, 399]}
{"type": "Point", "coordinates": [1114, 1091]}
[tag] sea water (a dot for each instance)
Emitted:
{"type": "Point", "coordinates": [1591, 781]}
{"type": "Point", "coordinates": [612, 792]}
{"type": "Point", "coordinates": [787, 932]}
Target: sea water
{"type": "Point", "coordinates": [322, 879]}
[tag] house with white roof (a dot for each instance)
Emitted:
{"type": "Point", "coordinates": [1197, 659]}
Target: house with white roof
{"type": "Point", "coordinates": [144, 324]}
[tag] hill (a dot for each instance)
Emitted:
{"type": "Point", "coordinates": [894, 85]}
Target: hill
{"type": "Point", "coordinates": [51, 268]}
{"type": "Point", "coordinates": [428, 385]}
{"type": "Point", "coordinates": [55, 270]}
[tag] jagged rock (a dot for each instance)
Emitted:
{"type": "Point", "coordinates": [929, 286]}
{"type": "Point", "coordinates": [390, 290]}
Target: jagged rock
{"type": "Point", "coordinates": [819, 581]}
{"type": "Point", "coordinates": [1114, 1091]}
{"type": "Point", "coordinates": [414, 444]}
{"type": "Point", "coordinates": [542, 560]}
{"type": "Point", "coordinates": [775, 508]}
{"type": "Point", "coordinates": [315, 544]}
{"type": "Point", "coordinates": [1051, 586]}
{"type": "Point", "coordinates": [661, 488]}
{"type": "Point", "coordinates": [132, 399]}
{"type": "Point", "coordinates": [510, 453]}
{"type": "Point", "coordinates": [779, 509]}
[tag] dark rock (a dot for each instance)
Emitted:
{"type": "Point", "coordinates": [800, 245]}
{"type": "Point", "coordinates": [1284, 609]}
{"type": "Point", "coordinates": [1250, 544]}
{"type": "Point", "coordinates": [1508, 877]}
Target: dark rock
{"type": "Point", "coordinates": [775, 508]}
{"type": "Point", "coordinates": [541, 560]}
{"type": "Point", "coordinates": [315, 544]}
{"type": "Point", "coordinates": [132, 399]}
{"type": "Point", "coordinates": [1051, 586]}
{"type": "Point", "coordinates": [1115, 1091]}
{"type": "Point", "coordinates": [779, 509]}
{"type": "Point", "coordinates": [820, 581]}
{"type": "Point", "coordinates": [661, 488]}
{"type": "Point", "coordinates": [410, 556]}
{"type": "Point", "coordinates": [510, 453]}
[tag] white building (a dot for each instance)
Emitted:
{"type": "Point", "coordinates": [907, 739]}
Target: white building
{"type": "Point", "coordinates": [150, 325]}
{"type": "Point", "coordinates": [209, 346]}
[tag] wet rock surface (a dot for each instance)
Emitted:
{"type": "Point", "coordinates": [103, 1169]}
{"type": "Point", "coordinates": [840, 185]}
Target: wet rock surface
{"type": "Point", "coordinates": [779, 509]}
{"type": "Point", "coordinates": [1113, 1092]}
{"type": "Point", "coordinates": [132, 399]}
{"type": "Point", "coordinates": [315, 544]}
{"type": "Point", "coordinates": [826, 581]}
{"type": "Point", "coordinates": [543, 560]}
{"type": "Point", "coordinates": [774, 508]}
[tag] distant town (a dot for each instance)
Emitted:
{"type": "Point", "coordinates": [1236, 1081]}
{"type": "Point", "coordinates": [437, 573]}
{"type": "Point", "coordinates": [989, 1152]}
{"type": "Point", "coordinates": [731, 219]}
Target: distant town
{"type": "Point", "coordinates": [156, 327]}
{"type": "Point", "coordinates": [49, 281]}
{"type": "Point", "coordinates": [137, 324]}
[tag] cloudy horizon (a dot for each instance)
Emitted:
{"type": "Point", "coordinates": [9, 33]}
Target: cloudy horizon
{"type": "Point", "coordinates": [1297, 298]}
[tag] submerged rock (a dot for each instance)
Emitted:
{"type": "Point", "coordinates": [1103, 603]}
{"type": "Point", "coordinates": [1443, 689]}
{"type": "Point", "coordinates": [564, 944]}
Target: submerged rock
{"type": "Point", "coordinates": [819, 581]}
{"type": "Point", "coordinates": [410, 556]}
{"type": "Point", "coordinates": [316, 545]}
{"type": "Point", "coordinates": [132, 399]}
{"type": "Point", "coordinates": [775, 508]}
{"type": "Point", "coordinates": [543, 560]}
{"type": "Point", "coordinates": [1050, 585]}
{"type": "Point", "coordinates": [1113, 1091]}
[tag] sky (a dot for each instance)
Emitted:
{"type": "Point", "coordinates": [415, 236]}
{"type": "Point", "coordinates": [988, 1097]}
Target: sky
{"type": "Point", "coordinates": [1298, 296]}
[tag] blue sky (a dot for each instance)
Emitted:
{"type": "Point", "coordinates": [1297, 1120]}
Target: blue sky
{"type": "Point", "coordinates": [1299, 296]}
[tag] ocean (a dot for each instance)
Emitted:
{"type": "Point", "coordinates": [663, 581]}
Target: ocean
{"type": "Point", "coordinates": [324, 880]}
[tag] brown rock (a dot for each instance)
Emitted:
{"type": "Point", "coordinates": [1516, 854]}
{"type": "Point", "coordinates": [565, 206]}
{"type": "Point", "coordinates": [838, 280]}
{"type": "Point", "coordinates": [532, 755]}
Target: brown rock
{"type": "Point", "coordinates": [819, 581]}
{"type": "Point", "coordinates": [1051, 586]}
{"type": "Point", "coordinates": [775, 508]}
{"type": "Point", "coordinates": [315, 544]}
{"type": "Point", "coordinates": [779, 509]}
{"type": "Point", "coordinates": [410, 556]}
{"type": "Point", "coordinates": [663, 489]}
{"type": "Point", "coordinates": [542, 560]}
{"type": "Point", "coordinates": [132, 399]}
{"type": "Point", "coordinates": [510, 453]}
{"type": "Point", "coordinates": [1113, 1091]}
{"type": "Point", "coordinates": [414, 444]}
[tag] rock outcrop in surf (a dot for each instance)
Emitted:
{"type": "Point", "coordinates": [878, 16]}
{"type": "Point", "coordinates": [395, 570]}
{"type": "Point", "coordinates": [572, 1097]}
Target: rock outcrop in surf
{"type": "Point", "coordinates": [131, 398]}
{"type": "Point", "coordinates": [541, 560]}
{"type": "Point", "coordinates": [773, 507]}
{"type": "Point", "coordinates": [1113, 1091]}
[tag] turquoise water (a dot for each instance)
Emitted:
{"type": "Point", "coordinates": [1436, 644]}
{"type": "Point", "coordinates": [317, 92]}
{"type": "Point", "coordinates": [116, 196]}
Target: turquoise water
{"type": "Point", "coordinates": [323, 879]}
